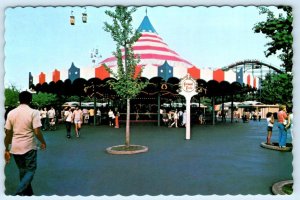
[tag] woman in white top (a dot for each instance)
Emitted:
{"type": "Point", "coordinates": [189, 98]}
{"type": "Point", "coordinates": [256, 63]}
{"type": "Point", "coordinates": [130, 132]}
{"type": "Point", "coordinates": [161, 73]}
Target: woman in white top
{"type": "Point", "coordinates": [111, 117]}
{"type": "Point", "coordinates": [43, 114]}
{"type": "Point", "coordinates": [290, 121]}
{"type": "Point", "coordinates": [270, 121]}
{"type": "Point", "coordinates": [68, 116]}
{"type": "Point", "coordinates": [77, 116]}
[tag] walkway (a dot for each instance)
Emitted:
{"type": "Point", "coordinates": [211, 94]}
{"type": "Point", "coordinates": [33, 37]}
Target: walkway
{"type": "Point", "coordinates": [221, 159]}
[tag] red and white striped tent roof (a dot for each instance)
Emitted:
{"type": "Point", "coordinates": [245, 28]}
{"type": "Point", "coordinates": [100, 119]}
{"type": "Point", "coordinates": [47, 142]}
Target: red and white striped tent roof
{"type": "Point", "coordinates": [152, 49]}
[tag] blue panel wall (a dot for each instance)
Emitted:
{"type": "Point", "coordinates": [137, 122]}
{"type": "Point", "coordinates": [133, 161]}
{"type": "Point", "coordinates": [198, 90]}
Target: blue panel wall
{"type": "Point", "coordinates": [165, 71]}
{"type": "Point", "coordinates": [240, 76]}
{"type": "Point", "coordinates": [74, 72]}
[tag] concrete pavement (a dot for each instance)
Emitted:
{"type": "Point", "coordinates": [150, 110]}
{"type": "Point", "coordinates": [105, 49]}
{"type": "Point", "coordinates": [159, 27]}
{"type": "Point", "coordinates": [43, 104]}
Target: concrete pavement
{"type": "Point", "coordinates": [221, 159]}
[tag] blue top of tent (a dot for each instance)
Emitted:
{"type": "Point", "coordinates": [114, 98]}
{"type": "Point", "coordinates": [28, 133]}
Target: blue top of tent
{"type": "Point", "coordinates": [146, 26]}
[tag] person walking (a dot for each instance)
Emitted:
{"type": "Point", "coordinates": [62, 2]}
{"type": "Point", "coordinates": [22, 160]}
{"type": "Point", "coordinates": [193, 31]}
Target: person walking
{"type": "Point", "coordinates": [78, 119]}
{"type": "Point", "coordinates": [68, 117]}
{"type": "Point", "coordinates": [111, 117]}
{"type": "Point", "coordinates": [98, 116]}
{"type": "Point", "coordinates": [180, 116]}
{"type": "Point", "coordinates": [170, 114]}
{"type": "Point", "coordinates": [165, 117]}
{"type": "Point", "coordinates": [117, 118]}
{"type": "Point", "coordinates": [200, 117]}
{"type": "Point", "coordinates": [259, 115]}
{"type": "Point", "coordinates": [184, 118]}
{"type": "Point", "coordinates": [289, 125]}
{"type": "Point", "coordinates": [91, 116]}
{"type": "Point", "coordinates": [282, 122]}
{"type": "Point", "coordinates": [51, 114]}
{"type": "Point", "coordinates": [21, 128]}
{"type": "Point", "coordinates": [270, 121]}
{"type": "Point", "coordinates": [43, 118]}
{"type": "Point", "coordinates": [175, 119]}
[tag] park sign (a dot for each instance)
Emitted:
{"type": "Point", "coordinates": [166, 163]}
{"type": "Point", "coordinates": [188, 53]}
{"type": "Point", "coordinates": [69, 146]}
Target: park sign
{"type": "Point", "coordinates": [188, 84]}
{"type": "Point", "coordinates": [187, 88]}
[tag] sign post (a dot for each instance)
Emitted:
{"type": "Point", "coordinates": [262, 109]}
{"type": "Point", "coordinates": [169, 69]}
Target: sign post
{"type": "Point", "coordinates": [187, 88]}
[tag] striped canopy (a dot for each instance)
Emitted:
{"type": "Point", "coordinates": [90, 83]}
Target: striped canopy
{"type": "Point", "coordinates": [151, 48]}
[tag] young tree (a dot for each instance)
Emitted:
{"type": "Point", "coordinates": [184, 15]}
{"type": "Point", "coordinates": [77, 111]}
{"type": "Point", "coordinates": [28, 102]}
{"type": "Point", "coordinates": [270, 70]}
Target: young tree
{"type": "Point", "coordinates": [127, 85]}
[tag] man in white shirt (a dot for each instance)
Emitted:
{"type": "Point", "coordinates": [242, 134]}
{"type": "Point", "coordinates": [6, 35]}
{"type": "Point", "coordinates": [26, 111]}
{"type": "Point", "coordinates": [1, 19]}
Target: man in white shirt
{"type": "Point", "coordinates": [98, 116]}
{"type": "Point", "coordinates": [21, 128]}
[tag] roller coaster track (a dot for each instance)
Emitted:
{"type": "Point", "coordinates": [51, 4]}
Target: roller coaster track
{"type": "Point", "coordinates": [252, 62]}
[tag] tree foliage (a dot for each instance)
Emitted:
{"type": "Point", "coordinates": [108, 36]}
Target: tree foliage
{"type": "Point", "coordinates": [43, 99]}
{"type": "Point", "coordinates": [277, 88]}
{"type": "Point", "coordinates": [279, 31]}
{"type": "Point", "coordinates": [11, 96]}
{"type": "Point", "coordinates": [121, 30]}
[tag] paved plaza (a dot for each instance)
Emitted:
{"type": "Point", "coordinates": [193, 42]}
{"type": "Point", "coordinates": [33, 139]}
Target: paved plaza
{"type": "Point", "coordinates": [222, 159]}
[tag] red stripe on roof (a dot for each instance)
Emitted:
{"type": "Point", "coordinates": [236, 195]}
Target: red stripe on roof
{"type": "Point", "coordinates": [150, 40]}
{"type": "Point", "coordinates": [147, 47]}
{"type": "Point", "coordinates": [152, 56]}
{"type": "Point", "coordinates": [149, 35]}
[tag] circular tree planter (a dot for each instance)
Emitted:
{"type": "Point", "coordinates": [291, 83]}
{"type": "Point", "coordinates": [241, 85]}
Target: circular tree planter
{"type": "Point", "coordinates": [123, 150]}
{"type": "Point", "coordinates": [275, 146]}
{"type": "Point", "coordinates": [277, 188]}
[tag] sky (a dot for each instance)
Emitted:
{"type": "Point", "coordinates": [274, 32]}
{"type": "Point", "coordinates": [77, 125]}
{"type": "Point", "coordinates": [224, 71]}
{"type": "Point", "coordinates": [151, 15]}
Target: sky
{"type": "Point", "coordinates": [41, 39]}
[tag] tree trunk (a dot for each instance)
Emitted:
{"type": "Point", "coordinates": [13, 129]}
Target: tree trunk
{"type": "Point", "coordinates": [127, 139]}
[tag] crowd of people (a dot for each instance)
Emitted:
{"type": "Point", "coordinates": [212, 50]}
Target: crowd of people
{"type": "Point", "coordinates": [253, 115]}
{"type": "Point", "coordinates": [173, 118]}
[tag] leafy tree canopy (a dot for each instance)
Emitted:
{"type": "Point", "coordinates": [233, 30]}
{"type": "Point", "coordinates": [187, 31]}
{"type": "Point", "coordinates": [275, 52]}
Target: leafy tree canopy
{"type": "Point", "coordinates": [43, 99]}
{"type": "Point", "coordinates": [277, 88]}
{"type": "Point", "coordinates": [279, 31]}
{"type": "Point", "coordinates": [11, 96]}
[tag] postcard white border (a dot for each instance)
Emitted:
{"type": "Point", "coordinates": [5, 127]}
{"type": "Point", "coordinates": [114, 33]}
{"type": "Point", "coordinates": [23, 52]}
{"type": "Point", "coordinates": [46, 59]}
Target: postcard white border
{"type": "Point", "coordinates": [296, 82]}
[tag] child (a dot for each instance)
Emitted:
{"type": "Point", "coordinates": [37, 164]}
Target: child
{"type": "Point", "coordinates": [270, 121]}
{"type": "Point", "coordinates": [52, 124]}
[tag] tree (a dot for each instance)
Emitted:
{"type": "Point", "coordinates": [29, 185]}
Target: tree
{"type": "Point", "coordinates": [277, 88]}
{"type": "Point", "coordinates": [128, 84]}
{"type": "Point", "coordinates": [11, 96]}
{"type": "Point", "coordinates": [279, 31]}
{"type": "Point", "coordinates": [43, 99]}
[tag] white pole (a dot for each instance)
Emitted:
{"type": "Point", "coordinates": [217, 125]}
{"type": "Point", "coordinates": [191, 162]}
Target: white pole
{"type": "Point", "coordinates": [188, 118]}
